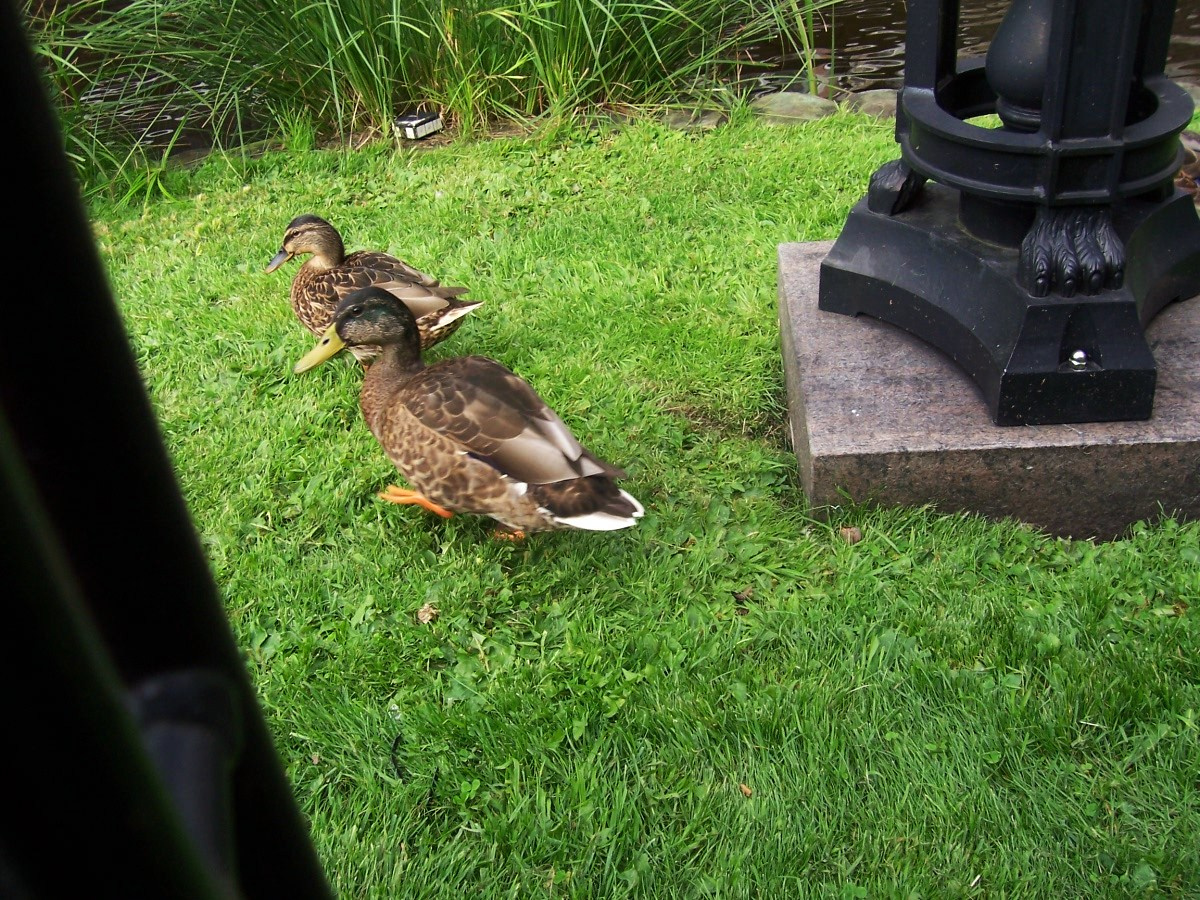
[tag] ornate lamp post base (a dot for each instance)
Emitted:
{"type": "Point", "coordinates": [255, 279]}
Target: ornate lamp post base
{"type": "Point", "coordinates": [1035, 253]}
{"type": "Point", "coordinates": [1037, 360]}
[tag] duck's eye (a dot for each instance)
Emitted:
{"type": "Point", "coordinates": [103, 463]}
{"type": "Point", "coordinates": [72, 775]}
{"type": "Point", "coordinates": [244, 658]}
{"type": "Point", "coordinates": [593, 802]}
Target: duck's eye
{"type": "Point", "coordinates": [356, 310]}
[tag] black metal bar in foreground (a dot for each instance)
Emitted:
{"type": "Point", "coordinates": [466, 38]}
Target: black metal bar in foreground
{"type": "Point", "coordinates": [136, 759]}
{"type": "Point", "coordinates": [1035, 253]}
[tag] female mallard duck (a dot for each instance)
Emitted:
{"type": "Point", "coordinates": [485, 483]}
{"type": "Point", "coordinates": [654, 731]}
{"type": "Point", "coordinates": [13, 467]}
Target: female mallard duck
{"type": "Point", "coordinates": [1188, 176]}
{"type": "Point", "coordinates": [330, 274]}
{"type": "Point", "coordinates": [469, 435]}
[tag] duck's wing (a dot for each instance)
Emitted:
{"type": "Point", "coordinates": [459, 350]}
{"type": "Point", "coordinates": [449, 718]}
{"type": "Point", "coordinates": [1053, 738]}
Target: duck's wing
{"type": "Point", "coordinates": [495, 416]}
{"type": "Point", "coordinates": [385, 262]}
{"type": "Point", "coordinates": [335, 284]}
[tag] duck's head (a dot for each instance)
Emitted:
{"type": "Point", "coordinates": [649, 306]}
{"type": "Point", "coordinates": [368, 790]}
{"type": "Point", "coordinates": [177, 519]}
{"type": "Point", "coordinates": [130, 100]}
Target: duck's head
{"type": "Point", "coordinates": [309, 234]}
{"type": "Point", "coordinates": [368, 316]}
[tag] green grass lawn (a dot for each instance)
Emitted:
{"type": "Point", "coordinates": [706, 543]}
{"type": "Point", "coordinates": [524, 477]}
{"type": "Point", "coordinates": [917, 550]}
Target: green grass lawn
{"type": "Point", "coordinates": [729, 700]}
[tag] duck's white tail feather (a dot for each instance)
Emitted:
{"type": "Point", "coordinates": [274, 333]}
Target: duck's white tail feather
{"type": "Point", "coordinates": [605, 521]}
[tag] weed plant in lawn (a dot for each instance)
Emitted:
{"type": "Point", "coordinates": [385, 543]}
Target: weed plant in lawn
{"type": "Point", "coordinates": [728, 699]}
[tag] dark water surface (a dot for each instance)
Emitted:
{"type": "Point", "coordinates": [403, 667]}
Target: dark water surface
{"type": "Point", "coordinates": [866, 38]}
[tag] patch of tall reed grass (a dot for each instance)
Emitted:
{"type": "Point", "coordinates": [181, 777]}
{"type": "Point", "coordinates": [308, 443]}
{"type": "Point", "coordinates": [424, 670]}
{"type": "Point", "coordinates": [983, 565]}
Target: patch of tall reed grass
{"type": "Point", "coordinates": [134, 81]}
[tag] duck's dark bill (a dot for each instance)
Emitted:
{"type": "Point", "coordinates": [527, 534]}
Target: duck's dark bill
{"type": "Point", "coordinates": [328, 346]}
{"type": "Point", "coordinates": [277, 260]}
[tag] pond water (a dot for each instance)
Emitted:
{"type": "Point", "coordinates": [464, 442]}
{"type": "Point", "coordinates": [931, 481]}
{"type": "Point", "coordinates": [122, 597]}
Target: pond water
{"type": "Point", "coordinates": [866, 40]}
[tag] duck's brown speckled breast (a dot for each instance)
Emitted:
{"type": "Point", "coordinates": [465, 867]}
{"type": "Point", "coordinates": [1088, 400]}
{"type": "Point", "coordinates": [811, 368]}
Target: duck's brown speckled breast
{"type": "Point", "coordinates": [314, 311]}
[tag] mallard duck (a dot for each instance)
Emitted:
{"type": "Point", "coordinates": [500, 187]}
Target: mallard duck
{"type": "Point", "coordinates": [330, 274]}
{"type": "Point", "coordinates": [468, 434]}
{"type": "Point", "coordinates": [1188, 176]}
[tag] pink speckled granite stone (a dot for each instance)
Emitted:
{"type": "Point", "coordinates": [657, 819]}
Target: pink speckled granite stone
{"type": "Point", "coordinates": [881, 416]}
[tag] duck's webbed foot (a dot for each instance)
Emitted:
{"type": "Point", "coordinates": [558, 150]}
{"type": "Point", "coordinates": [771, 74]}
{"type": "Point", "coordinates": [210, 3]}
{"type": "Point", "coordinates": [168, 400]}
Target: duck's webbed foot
{"type": "Point", "coordinates": [508, 534]}
{"type": "Point", "coordinates": [1071, 250]}
{"type": "Point", "coordinates": [395, 494]}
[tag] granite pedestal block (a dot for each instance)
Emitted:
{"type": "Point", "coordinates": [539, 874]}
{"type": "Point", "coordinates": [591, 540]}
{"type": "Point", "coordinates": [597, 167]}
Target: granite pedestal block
{"type": "Point", "coordinates": [879, 416]}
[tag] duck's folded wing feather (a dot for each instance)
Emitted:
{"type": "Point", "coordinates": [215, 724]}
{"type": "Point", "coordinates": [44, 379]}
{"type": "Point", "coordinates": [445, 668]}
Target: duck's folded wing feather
{"type": "Point", "coordinates": [385, 262]}
{"type": "Point", "coordinates": [345, 280]}
{"type": "Point", "coordinates": [498, 418]}
{"type": "Point", "coordinates": [391, 268]}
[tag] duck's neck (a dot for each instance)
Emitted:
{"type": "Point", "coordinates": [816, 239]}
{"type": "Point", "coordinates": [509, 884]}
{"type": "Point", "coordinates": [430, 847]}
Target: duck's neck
{"type": "Point", "coordinates": [323, 261]}
{"type": "Point", "coordinates": [332, 252]}
{"type": "Point", "coordinates": [390, 371]}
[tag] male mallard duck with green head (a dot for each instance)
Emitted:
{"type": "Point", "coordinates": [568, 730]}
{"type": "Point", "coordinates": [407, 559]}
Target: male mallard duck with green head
{"type": "Point", "coordinates": [330, 274]}
{"type": "Point", "coordinates": [468, 434]}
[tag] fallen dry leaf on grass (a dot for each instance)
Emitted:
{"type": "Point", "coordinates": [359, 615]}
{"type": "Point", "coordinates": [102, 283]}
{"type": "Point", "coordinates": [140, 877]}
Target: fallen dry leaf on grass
{"type": "Point", "coordinates": [427, 613]}
{"type": "Point", "coordinates": [851, 534]}
{"type": "Point", "coordinates": [746, 789]}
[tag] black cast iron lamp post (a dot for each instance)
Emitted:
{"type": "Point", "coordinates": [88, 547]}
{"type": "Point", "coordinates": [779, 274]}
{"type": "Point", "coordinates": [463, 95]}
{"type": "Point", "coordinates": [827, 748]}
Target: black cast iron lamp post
{"type": "Point", "coordinates": [1033, 253]}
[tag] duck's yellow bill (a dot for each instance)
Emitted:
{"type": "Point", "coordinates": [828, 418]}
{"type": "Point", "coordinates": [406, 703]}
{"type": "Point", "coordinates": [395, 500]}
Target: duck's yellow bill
{"type": "Point", "coordinates": [329, 345]}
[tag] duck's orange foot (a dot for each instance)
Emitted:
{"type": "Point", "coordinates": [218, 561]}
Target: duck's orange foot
{"type": "Point", "coordinates": [395, 494]}
{"type": "Point", "coordinates": [508, 534]}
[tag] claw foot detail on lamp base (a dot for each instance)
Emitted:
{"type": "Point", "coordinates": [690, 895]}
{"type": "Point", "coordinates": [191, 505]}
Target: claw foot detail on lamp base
{"type": "Point", "coordinates": [1071, 249]}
